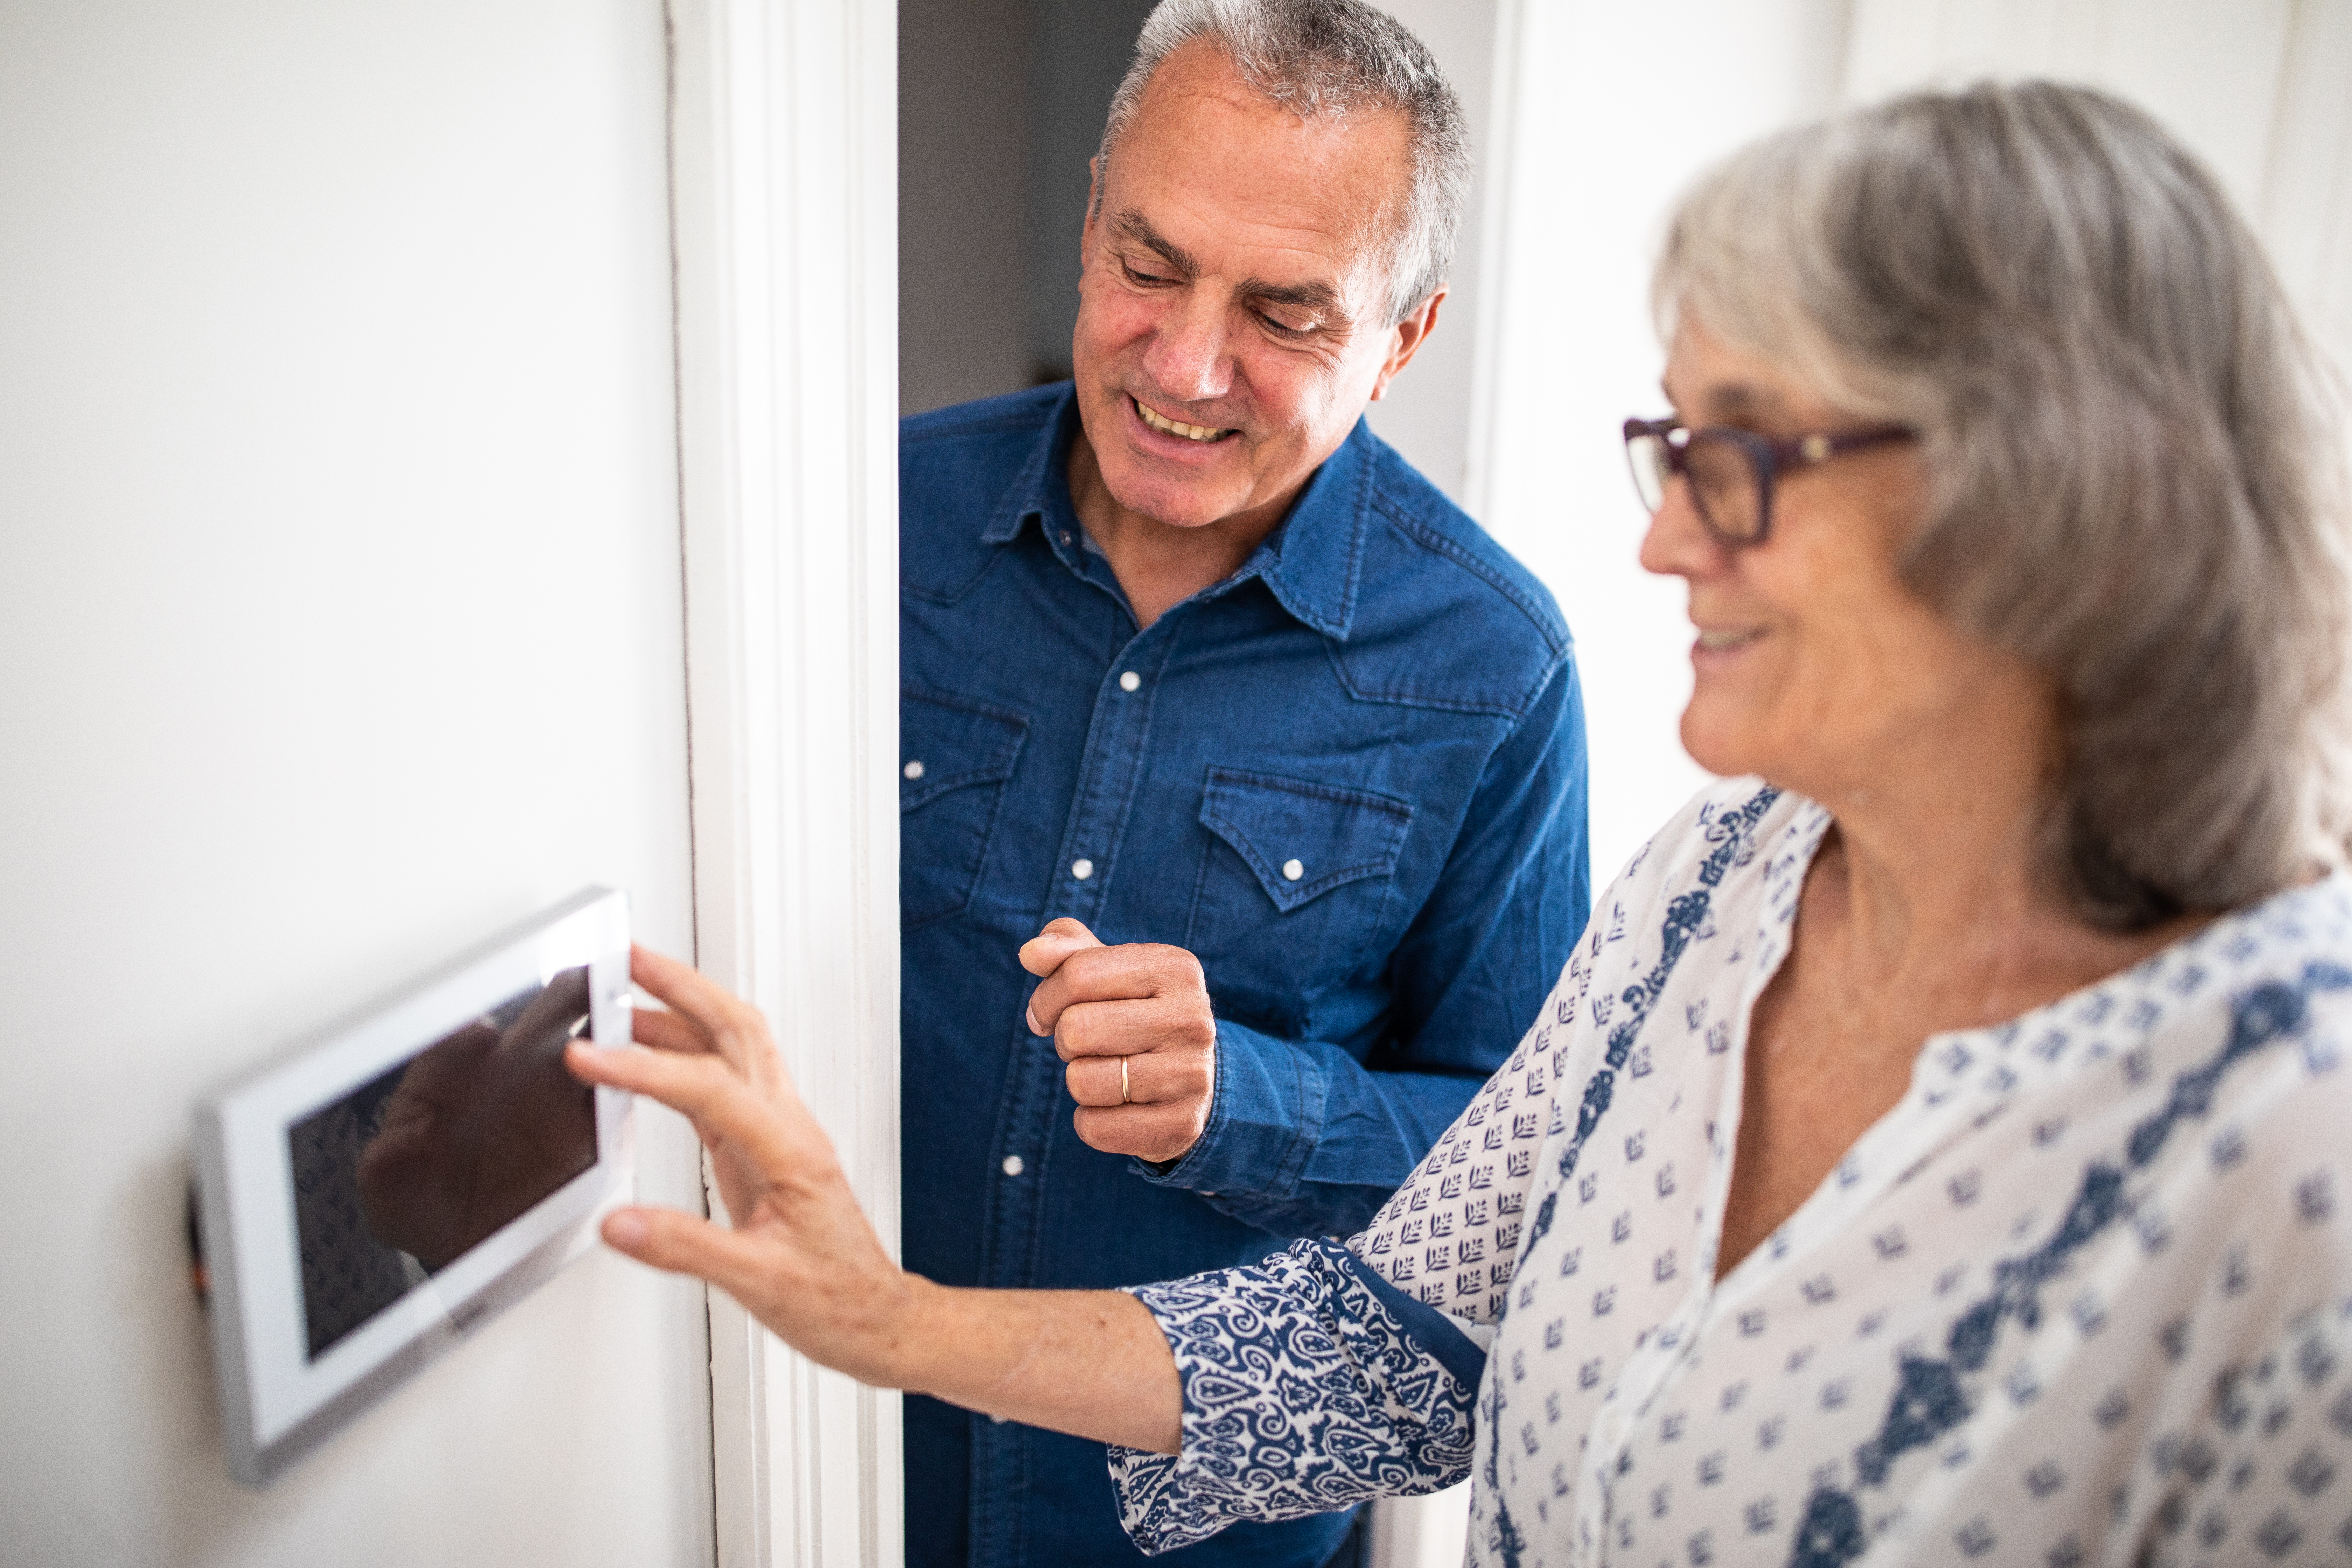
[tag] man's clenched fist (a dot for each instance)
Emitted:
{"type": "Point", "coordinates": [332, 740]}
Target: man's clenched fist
{"type": "Point", "coordinates": [1143, 1009]}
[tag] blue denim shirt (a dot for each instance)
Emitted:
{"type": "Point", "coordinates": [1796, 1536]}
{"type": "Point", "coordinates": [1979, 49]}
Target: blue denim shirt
{"type": "Point", "coordinates": [1351, 778]}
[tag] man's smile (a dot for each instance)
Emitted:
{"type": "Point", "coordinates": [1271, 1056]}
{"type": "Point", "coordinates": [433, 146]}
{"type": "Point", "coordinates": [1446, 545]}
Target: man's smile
{"type": "Point", "coordinates": [1160, 421]}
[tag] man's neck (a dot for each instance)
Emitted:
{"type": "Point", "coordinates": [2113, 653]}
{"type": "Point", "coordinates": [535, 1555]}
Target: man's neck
{"type": "Point", "coordinates": [1158, 564]}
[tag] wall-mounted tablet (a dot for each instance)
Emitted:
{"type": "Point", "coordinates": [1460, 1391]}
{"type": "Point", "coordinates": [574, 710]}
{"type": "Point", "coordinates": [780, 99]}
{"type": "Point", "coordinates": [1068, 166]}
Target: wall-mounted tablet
{"type": "Point", "coordinates": [375, 1196]}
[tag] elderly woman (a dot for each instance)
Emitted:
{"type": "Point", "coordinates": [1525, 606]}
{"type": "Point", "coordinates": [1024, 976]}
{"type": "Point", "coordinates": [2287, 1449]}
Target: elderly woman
{"type": "Point", "coordinates": [1937, 1147]}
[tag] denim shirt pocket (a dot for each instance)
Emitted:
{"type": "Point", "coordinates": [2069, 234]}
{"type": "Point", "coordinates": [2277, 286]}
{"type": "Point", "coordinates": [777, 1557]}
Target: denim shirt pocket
{"type": "Point", "coordinates": [956, 753]}
{"type": "Point", "coordinates": [1291, 886]}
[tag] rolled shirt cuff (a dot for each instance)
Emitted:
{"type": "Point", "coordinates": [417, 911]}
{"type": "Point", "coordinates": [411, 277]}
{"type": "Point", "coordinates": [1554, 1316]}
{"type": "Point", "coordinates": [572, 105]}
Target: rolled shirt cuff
{"type": "Point", "coordinates": [1265, 1116]}
{"type": "Point", "coordinates": [1309, 1383]}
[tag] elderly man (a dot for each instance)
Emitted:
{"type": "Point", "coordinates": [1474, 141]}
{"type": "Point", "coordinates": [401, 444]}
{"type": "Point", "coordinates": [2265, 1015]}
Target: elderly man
{"type": "Point", "coordinates": [1196, 666]}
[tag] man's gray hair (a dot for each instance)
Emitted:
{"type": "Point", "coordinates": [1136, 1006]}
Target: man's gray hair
{"type": "Point", "coordinates": [2130, 453]}
{"type": "Point", "coordinates": [1330, 57]}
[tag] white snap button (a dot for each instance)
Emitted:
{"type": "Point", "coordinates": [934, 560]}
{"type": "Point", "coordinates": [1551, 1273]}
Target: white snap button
{"type": "Point", "coordinates": [913, 770]}
{"type": "Point", "coordinates": [1130, 681]}
{"type": "Point", "coordinates": [1292, 870]}
{"type": "Point", "coordinates": [1082, 869]}
{"type": "Point", "coordinates": [1012, 1165]}
{"type": "Point", "coordinates": [1000, 1420]}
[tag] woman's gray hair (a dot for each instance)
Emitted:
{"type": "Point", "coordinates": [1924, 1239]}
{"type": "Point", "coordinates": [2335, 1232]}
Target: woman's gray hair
{"type": "Point", "coordinates": [2132, 469]}
{"type": "Point", "coordinates": [1330, 57]}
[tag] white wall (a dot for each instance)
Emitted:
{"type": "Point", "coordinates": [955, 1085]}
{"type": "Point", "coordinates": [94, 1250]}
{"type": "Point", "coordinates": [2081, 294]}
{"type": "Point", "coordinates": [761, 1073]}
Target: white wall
{"type": "Point", "coordinates": [1604, 111]}
{"type": "Point", "coordinates": [2260, 90]}
{"type": "Point", "coordinates": [340, 625]}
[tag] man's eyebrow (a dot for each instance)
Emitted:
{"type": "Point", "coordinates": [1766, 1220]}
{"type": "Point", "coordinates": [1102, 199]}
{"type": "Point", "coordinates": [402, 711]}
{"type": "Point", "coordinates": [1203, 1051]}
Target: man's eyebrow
{"type": "Point", "coordinates": [1135, 227]}
{"type": "Point", "coordinates": [1320, 298]}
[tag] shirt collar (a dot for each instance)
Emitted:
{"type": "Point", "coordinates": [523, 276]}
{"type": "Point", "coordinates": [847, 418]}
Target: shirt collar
{"type": "Point", "coordinates": [1991, 1066]}
{"type": "Point", "coordinates": [1311, 564]}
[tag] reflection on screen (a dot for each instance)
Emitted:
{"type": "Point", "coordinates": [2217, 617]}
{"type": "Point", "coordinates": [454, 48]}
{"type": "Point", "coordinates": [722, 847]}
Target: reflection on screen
{"type": "Point", "coordinates": [402, 1177]}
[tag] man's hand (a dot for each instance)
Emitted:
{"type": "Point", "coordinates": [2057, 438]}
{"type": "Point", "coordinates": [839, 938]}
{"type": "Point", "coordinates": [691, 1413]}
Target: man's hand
{"type": "Point", "coordinates": [1134, 1024]}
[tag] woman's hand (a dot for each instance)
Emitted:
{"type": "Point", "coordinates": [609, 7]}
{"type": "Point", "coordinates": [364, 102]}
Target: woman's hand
{"type": "Point", "coordinates": [802, 1257]}
{"type": "Point", "coordinates": [803, 1261]}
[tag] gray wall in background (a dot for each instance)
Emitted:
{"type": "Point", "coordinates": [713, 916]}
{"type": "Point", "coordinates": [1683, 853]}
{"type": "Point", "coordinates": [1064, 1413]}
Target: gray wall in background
{"type": "Point", "coordinates": [963, 200]}
{"type": "Point", "coordinates": [1001, 104]}
{"type": "Point", "coordinates": [1082, 47]}
{"type": "Point", "coordinates": [1426, 415]}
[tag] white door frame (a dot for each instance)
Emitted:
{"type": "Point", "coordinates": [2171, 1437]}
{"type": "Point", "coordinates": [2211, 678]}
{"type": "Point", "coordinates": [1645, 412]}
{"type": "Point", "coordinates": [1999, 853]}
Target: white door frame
{"type": "Point", "coordinates": [783, 147]}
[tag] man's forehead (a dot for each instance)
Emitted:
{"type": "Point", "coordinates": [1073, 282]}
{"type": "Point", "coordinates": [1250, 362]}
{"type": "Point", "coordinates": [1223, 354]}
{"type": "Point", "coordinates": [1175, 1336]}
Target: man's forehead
{"type": "Point", "coordinates": [1208, 159]}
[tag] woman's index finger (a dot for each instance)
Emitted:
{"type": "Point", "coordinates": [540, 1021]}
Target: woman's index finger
{"type": "Point", "coordinates": [686, 991]}
{"type": "Point", "coordinates": [701, 1087]}
{"type": "Point", "coordinates": [666, 1031]}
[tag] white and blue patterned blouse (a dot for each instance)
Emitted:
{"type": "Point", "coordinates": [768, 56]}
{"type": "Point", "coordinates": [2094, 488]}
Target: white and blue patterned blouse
{"type": "Point", "coordinates": [2081, 1297]}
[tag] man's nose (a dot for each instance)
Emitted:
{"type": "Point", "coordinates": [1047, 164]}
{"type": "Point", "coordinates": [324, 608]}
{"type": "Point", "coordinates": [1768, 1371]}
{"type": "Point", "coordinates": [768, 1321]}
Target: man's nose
{"type": "Point", "coordinates": [1187, 358]}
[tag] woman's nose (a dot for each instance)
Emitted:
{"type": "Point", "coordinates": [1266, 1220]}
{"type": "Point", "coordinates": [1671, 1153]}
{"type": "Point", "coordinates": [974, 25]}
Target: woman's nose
{"type": "Point", "coordinates": [1677, 543]}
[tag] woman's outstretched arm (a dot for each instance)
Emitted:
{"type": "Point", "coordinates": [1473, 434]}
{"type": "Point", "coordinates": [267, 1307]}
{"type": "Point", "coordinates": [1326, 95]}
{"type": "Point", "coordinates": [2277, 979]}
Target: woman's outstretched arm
{"type": "Point", "coordinates": [802, 1259]}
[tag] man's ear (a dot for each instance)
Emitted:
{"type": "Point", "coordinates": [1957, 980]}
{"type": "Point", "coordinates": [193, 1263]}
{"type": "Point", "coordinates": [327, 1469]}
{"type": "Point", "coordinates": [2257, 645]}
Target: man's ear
{"type": "Point", "coordinates": [1405, 340]}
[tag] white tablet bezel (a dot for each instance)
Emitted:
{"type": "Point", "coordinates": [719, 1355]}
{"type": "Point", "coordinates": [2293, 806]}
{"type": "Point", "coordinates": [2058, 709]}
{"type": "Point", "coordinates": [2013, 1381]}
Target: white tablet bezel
{"type": "Point", "coordinates": [277, 1402]}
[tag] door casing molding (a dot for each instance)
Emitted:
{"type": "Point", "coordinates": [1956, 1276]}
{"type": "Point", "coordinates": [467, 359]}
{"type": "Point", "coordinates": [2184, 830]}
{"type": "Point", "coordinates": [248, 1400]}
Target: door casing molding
{"type": "Point", "coordinates": [784, 148]}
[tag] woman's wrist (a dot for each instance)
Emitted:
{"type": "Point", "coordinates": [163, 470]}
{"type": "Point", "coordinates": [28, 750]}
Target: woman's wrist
{"type": "Point", "coordinates": [915, 1337]}
{"type": "Point", "coordinates": [967, 1347]}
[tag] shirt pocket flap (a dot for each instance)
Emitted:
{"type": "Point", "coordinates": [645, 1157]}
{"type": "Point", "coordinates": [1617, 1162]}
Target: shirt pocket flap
{"type": "Point", "coordinates": [948, 743]}
{"type": "Point", "coordinates": [1303, 840]}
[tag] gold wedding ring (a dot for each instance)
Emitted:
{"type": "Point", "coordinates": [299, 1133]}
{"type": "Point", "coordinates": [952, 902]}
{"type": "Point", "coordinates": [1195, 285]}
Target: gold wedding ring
{"type": "Point", "coordinates": [1124, 1097]}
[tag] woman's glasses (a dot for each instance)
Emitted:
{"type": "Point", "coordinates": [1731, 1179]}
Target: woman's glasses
{"type": "Point", "coordinates": [1731, 472]}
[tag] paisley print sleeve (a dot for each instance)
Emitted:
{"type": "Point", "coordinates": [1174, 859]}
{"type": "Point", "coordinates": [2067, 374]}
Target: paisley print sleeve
{"type": "Point", "coordinates": [1310, 1383]}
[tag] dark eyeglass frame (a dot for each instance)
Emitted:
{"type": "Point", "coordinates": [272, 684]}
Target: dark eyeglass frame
{"type": "Point", "coordinates": [1767, 459]}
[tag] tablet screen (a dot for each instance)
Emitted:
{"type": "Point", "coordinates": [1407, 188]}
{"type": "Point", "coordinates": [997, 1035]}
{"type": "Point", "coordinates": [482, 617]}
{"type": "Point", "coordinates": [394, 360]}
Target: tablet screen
{"type": "Point", "coordinates": [403, 1175]}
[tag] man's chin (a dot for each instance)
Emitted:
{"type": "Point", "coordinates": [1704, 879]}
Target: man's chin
{"type": "Point", "coordinates": [1177, 500]}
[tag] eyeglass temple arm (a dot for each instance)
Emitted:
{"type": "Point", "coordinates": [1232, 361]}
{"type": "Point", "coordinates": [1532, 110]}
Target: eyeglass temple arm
{"type": "Point", "coordinates": [1821, 449]}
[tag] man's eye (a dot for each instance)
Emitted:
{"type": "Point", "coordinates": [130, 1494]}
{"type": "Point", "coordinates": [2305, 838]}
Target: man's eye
{"type": "Point", "coordinates": [1137, 275]}
{"type": "Point", "coordinates": [1289, 329]}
